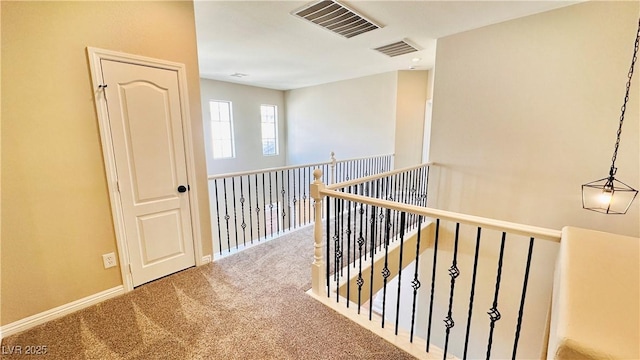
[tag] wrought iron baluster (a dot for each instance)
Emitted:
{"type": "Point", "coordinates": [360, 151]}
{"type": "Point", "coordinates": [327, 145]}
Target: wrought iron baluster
{"type": "Point", "coordinates": [381, 195]}
{"type": "Point", "coordinates": [295, 201]}
{"type": "Point", "coordinates": [345, 171]}
{"type": "Point", "coordinates": [244, 223]}
{"type": "Point", "coordinates": [235, 214]}
{"type": "Point", "coordinates": [380, 216]}
{"type": "Point", "coordinates": [361, 243]}
{"type": "Point", "coordinates": [354, 228]}
{"type": "Point", "coordinates": [433, 281]}
{"type": "Point", "coordinates": [353, 172]}
{"type": "Point", "coordinates": [270, 208]}
{"type": "Point", "coordinates": [257, 208]}
{"type": "Point", "coordinates": [366, 229]}
{"type": "Point", "coordinates": [524, 294]}
{"type": "Point", "coordinates": [307, 209]}
{"type": "Point", "coordinates": [277, 206]}
{"type": "Point", "coordinates": [284, 204]}
{"type": "Point", "coordinates": [392, 194]}
{"type": "Point", "coordinates": [400, 190]}
{"type": "Point", "coordinates": [215, 185]}
{"type": "Point", "coordinates": [453, 272]}
{"type": "Point", "coordinates": [471, 295]}
{"type": "Point", "coordinates": [338, 250]}
{"type": "Point", "coordinates": [348, 233]}
{"type": "Point", "coordinates": [340, 222]}
{"type": "Point", "coordinates": [367, 167]}
{"type": "Point", "coordinates": [408, 196]}
{"type": "Point", "coordinates": [385, 270]}
{"type": "Point", "coordinates": [326, 174]}
{"type": "Point", "coordinates": [417, 185]}
{"type": "Point", "coordinates": [421, 192]}
{"type": "Point", "coordinates": [494, 314]}
{"type": "Point", "coordinates": [402, 225]}
{"type": "Point", "coordinates": [328, 255]}
{"type": "Point", "coordinates": [415, 284]}
{"type": "Point", "coordinates": [412, 179]}
{"type": "Point", "coordinates": [250, 212]}
{"type": "Point", "coordinates": [226, 212]}
{"type": "Point", "coordinates": [264, 205]}
{"type": "Point", "coordinates": [404, 187]}
{"type": "Point", "coordinates": [299, 196]}
{"type": "Point", "coordinates": [373, 246]}
{"type": "Point", "coordinates": [425, 190]}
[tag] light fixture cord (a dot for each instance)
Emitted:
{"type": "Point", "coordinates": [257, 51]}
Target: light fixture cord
{"type": "Point", "coordinates": [613, 169]}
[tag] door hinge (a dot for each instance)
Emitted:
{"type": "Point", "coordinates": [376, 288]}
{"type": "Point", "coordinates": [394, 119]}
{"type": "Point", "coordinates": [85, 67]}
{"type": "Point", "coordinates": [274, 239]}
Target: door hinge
{"type": "Point", "coordinates": [130, 271]}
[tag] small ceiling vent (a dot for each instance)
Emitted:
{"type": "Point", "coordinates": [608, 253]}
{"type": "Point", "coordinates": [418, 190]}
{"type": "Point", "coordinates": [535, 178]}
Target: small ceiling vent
{"type": "Point", "coordinates": [397, 48]}
{"type": "Point", "coordinates": [337, 18]}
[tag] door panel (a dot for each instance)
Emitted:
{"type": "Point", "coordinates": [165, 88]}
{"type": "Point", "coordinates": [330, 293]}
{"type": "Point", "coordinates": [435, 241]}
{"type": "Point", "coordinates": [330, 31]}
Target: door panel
{"type": "Point", "coordinates": [146, 126]}
{"type": "Point", "coordinates": [154, 228]}
{"type": "Point", "coordinates": [149, 141]}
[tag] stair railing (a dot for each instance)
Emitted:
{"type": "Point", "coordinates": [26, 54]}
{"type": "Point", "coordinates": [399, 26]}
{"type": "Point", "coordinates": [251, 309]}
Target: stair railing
{"type": "Point", "coordinates": [377, 248]}
{"type": "Point", "coordinates": [253, 206]}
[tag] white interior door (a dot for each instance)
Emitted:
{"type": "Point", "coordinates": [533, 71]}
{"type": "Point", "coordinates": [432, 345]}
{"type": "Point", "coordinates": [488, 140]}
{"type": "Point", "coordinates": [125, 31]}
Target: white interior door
{"type": "Point", "coordinates": [145, 118]}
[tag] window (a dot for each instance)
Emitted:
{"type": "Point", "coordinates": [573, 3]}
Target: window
{"type": "Point", "coordinates": [269, 121]}
{"type": "Point", "coordinates": [221, 129]}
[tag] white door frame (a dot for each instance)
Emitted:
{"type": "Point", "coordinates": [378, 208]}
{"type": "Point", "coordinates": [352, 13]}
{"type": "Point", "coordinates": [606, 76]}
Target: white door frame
{"type": "Point", "coordinates": [95, 56]}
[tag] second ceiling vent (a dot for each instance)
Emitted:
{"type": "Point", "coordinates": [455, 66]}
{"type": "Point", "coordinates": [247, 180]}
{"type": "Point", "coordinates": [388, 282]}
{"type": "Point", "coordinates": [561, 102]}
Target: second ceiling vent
{"type": "Point", "coordinates": [337, 18]}
{"type": "Point", "coordinates": [397, 48]}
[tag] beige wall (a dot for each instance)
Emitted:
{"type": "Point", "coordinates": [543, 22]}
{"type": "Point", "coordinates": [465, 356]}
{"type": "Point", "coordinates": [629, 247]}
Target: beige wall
{"type": "Point", "coordinates": [246, 101]}
{"type": "Point", "coordinates": [55, 205]}
{"type": "Point", "coordinates": [410, 110]}
{"type": "Point", "coordinates": [526, 111]}
{"type": "Point", "coordinates": [353, 118]}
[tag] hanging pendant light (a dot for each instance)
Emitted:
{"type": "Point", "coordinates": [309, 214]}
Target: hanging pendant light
{"type": "Point", "coordinates": [608, 195]}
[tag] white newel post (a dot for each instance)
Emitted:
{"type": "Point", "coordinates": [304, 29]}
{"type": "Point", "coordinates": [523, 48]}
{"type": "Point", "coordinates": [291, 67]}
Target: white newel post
{"type": "Point", "coordinates": [318, 282]}
{"type": "Point", "coordinates": [333, 168]}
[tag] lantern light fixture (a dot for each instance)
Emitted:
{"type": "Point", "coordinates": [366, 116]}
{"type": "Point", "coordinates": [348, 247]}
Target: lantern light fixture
{"type": "Point", "coordinates": [609, 195]}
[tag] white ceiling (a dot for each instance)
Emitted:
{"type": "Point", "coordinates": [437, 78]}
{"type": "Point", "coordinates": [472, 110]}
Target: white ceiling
{"type": "Point", "coordinates": [280, 51]}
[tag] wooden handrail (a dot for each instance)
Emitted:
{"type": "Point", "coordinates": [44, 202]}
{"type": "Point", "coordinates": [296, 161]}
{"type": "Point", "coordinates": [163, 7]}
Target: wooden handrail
{"type": "Point", "coordinates": [374, 177]}
{"type": "Point", "coordinates": [290, 167]}
{"type": "Point", "coordinates": [514, 228]}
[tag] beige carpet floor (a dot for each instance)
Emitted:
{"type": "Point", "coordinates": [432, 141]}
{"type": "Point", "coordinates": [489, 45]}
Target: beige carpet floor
{"type": "Point", "coordinates": [250, 305]}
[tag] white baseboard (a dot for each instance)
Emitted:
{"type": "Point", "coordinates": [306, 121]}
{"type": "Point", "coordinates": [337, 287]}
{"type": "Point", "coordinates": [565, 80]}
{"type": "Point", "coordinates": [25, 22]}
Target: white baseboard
{"type": "Point", "coordinates": [60, 311]}
{"type": "Point", "coordinates": [206, 259]}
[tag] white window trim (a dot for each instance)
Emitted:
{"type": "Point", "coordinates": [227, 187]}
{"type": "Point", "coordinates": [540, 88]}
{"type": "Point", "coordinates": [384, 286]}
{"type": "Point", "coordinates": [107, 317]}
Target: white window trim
{"type": "Point", "coordinates": [231, 129]}
{"type": "Point", "coordinates": [275, 125]}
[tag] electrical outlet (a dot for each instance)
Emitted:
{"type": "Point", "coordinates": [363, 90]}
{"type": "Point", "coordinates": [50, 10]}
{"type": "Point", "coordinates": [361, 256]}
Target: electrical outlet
{"type": "Point", "coordinates": [109, 260]}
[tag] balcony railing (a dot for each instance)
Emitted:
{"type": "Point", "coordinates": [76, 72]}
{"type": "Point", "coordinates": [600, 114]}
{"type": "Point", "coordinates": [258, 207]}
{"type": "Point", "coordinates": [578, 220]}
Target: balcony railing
{"type": "Point", "coordinates": [253, 206]}
{"type": "Point", "coordinates": [450, 284]}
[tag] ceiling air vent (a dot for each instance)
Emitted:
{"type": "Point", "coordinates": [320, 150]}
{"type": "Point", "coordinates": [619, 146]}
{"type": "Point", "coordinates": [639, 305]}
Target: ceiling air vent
{"type": "Point", "coordinates": [336, 17]}
{"type": "Point", "coordinates": [397, 48]}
